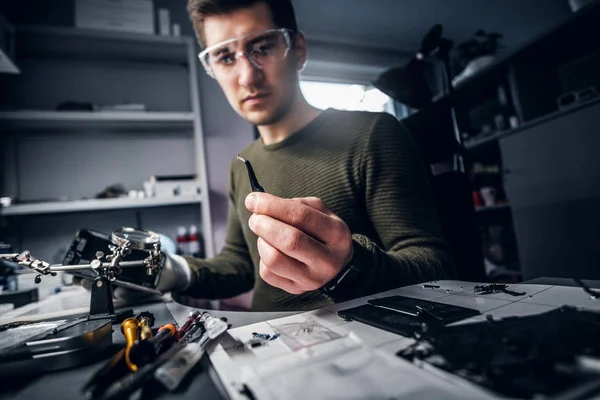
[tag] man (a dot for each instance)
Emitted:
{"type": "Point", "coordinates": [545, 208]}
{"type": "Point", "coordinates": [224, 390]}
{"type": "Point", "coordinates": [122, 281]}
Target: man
{"type": "Point", "coordinates": [347, 210]}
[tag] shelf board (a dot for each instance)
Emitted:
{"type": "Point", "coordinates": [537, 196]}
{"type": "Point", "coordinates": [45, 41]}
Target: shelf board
{"type": "Point", "coordinates": [96, 120]}
{"type": "Point", "coordinates": [582, 19]}
{"type": "Point", "coordinates": [36, 40]}
{"type": "Point", "coordinates": [476, 142]}
{"type": "Point", "coordinates": [495, 207]}
{"type": "Point", "coordinates": [95, 205]}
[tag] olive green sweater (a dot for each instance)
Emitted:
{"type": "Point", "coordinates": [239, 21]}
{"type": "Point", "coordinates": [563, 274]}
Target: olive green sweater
{"type": "Point", "coordinates": [367, 170]}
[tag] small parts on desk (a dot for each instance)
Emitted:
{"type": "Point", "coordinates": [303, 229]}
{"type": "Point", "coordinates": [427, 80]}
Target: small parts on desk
{"type": "Point", "coordinates": [496, 288]}
{"type": "Point", "coordinates": [264, 336]}
{"type": "Point", "coordinates": [255, 342]}
{"type": "Point", "coordinates": [429, 286]}
{"type": "Point", "coordinates": [259, 339]}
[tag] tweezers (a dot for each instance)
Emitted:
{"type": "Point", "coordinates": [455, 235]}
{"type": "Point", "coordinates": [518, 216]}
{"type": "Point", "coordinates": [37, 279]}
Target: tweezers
{"type": "Point", "coordinates": [253, 181]}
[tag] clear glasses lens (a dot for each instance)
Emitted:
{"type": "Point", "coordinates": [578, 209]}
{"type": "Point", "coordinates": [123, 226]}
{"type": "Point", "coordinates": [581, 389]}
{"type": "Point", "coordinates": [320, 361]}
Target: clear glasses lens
{"type": "Point", "coordinates": [259, 48]}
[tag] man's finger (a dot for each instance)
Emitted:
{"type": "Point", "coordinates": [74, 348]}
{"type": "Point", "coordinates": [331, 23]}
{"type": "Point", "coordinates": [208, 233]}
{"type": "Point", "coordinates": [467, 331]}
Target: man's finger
{"type": "Point", "coordinates": [315, 203]}
{"type": "Point", "coordinates": [289, 240]}
{"type": "Point", "coordinates": [293, 212]}
{"type": "Point", "coordinates": [283, 265]}
{"type": "Point", "coordinates": [278, 281]}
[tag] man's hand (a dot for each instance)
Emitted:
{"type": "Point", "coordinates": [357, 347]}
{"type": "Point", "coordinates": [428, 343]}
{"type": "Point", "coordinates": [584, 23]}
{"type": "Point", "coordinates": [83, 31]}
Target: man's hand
{"type": "Point", "coordinates": [302, 245]}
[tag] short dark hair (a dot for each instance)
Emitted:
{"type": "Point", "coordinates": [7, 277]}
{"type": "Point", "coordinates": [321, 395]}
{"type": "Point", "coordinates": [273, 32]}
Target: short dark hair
{"type": "Point", "coordinates": [282, 12]}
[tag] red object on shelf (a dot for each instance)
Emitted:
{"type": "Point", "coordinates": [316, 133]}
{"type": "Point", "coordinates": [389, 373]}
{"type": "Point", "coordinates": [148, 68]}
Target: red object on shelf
{"type": "Point", "coordinates": [477, 198]}
{"type": "Point", "coordinates": [196, 242]}
{"type": "Point", "coordinates": [183, 240]}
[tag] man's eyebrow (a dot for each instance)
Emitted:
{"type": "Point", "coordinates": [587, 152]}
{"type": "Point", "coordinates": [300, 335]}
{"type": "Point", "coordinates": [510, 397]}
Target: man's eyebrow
{"type": "Point", "coordinates": [266, 36]}
{"type": "Point", "coordinates": [220, 50]}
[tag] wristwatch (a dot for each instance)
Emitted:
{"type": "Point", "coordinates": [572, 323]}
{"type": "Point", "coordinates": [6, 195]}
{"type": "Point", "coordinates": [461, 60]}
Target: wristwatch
{"type": "Point", "coordinates": [341, 285]}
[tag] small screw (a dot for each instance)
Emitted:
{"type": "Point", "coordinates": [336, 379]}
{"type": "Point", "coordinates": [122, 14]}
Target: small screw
{"type": "Point", "coordinates": [99, 283]}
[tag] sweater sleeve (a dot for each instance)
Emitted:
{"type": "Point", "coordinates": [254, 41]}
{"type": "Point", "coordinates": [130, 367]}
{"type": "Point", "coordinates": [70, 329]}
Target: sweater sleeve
{"type": "Point", "coordinates": [409, 246]}
{"type": "Point", "coordinates": [230, 272]}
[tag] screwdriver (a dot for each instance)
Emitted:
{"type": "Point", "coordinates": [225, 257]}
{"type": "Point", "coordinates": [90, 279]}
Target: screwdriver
{"type": "Point", "coordinates": [146, 351]}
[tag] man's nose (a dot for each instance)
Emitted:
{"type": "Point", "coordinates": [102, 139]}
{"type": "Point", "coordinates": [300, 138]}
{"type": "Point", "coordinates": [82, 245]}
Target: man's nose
{"type": "Point", "coordinates": [249, 74]}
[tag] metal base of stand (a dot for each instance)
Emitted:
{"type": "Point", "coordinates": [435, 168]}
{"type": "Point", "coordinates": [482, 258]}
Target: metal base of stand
{"type": "Point", "coordinates": [101, 302]}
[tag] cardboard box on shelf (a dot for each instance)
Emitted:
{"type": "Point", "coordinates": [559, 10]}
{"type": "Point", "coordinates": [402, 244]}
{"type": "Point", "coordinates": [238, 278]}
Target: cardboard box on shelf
{"type": "Point", "coordinates": [116, 15]}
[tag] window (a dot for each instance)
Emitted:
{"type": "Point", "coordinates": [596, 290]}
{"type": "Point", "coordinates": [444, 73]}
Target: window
{"type": "Point", "coordinates": [343, 96]}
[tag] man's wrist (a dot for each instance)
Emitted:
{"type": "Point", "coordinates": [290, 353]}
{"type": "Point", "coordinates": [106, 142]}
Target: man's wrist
{"type": "Point", "coordinates": [344, 282]}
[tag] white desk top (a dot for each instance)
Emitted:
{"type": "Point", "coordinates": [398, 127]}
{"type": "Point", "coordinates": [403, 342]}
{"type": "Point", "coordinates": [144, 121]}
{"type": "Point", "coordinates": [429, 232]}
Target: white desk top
{"type": "Point", "coordinates": [230, 364]}
{"type": "Point", "coordinates": [422, 383]}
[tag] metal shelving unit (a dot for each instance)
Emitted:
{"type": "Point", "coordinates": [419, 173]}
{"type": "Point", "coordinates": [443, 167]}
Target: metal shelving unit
{"type": "Point", "coordinates": [96, 120]}
{"type": "Point", "coordinates": [117, 51]}
{"type": "Point", "coordinates": [480, 141]}
{"type": "Point", "coordinates": [54, 207]}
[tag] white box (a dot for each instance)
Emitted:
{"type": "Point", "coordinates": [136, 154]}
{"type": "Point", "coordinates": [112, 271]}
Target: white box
{"type": "Point", "coordinates": [164, 22]}
{"type": "Point", "coordinates": [176, 30]}
{"type": "Point", "coordinates": [115, 15]}
{"type": "Point", "coordinates": [174, 188]}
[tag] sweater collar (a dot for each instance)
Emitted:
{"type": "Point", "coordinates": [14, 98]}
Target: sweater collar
{"type": "Point", "coordinates": [299, 134]}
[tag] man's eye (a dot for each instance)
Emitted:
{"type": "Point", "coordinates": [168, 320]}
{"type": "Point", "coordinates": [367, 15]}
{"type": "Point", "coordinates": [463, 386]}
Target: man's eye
{"type": "Point", "coordinates": [225, 59]}
{"type": "Point", "coordinates": [264, 48]}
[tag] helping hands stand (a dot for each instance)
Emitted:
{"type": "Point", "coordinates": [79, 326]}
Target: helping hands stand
{"type": "Point", "coordinates": [101, 299]}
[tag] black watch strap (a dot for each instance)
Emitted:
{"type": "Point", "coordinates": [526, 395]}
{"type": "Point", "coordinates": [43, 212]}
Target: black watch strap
{"type": "Point", "coordinates": [342, 285]}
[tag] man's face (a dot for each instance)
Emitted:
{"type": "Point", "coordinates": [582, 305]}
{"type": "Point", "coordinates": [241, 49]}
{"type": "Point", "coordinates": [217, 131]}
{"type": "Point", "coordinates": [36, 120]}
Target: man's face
{"type": "Point", "coordinates": [262, 96]}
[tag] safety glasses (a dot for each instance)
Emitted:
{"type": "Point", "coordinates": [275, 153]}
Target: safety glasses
{"type": "Point", "coordinates": [259, 48]}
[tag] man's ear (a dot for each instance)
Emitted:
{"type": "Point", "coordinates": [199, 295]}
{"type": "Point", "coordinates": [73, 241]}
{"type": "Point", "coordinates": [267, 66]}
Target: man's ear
{"type": "Point", "coordinates": [301, 51]}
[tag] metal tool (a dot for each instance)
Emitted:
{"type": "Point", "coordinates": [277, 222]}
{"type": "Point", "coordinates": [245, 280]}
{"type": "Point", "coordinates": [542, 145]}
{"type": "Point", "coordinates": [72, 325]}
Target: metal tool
{"type": "Point", "coordinates": [106, 269]}
{"type": "Point", "coordinates": [130, 329]}
{"type": "Point", "coordinates": [123, 239]}
{"type": "Point", "coordinates": [126, 386]}
{"type": "Point", "coordinates": [253, 181]}
{"type": "Point", "coordinates": [146, 323]}
{"type": "Point", "coordinates": [172, 372]}
{"type": "Point", "coordinates": [116, 368]}
{"type": "Point", "coordinates": [191, 319]}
